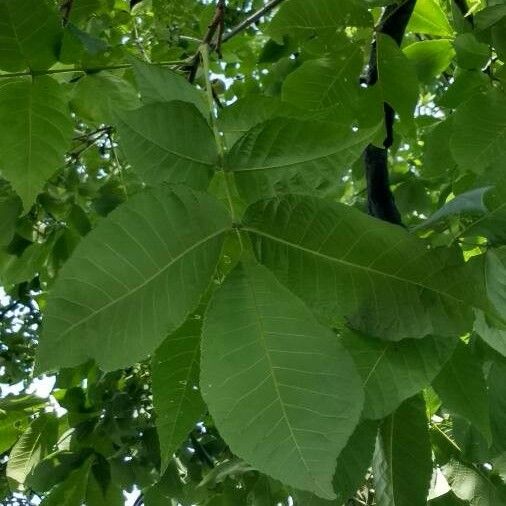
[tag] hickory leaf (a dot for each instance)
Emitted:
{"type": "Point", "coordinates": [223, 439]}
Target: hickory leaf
{"type": "Point", "coordinates": [175, 379]}
{"type": "Point", "coordinates": [348, 266]}
{"type": "Point", "coordinates": [169, 141]}
{"type": "Point", "coordinates": [269, 369]}
{"type": "Point", "coordinates": [135, 258]}
{"type": "Point", "coordinates": [33, 146]}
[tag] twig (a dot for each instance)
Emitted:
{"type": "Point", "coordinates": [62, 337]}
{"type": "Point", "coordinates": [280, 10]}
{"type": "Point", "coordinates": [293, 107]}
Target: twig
{"type": "Point", "coordinates": [251, 19]}
{"type": "Point", "coordinates": [85, 70]}
{"type": "Point", "coordinates": [216, 26]}
{"type": "Point", "coordinates": [380, 200]}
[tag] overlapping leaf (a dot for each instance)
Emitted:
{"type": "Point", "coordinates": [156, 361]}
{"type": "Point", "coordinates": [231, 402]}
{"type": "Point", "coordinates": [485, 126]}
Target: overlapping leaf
{"type": "Point", "coordinates": [271, 371]}
{"type": "Point", "coordinates": [29, 34]}
{"type": "Point", "coordinates": [324, 19]}
{"type": "Point", "coordinates": [36, 132]}
{"type": "Point", "coordinates": [345, 264]}
{"type": "Point", "coordinates": [169, 141]}
{"type": "Point", "coordinates": [479, 136]}
{"type": "Point", "coordinates": [159, 84]}
{"type": "Point", "coordinates": [133, 279]}
{"type": "Point", "coordinates": [175, 379]}
{"type": "Point", "coordinates": [393, 372]}
{"type": "Point", "coordinates": [328, 84]}
{"type": "Point", "coordinates": [396, 78]}
{"type": "Point", "coordinates": [289, 156]}
{"type": "Point", "coordinates": [462, 388]}
{"type": "Point", "coordinates": [402, 463]}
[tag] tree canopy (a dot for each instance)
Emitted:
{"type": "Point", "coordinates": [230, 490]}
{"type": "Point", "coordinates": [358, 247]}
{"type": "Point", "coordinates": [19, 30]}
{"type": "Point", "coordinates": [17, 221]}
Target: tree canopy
{"type": "Point", "coordinates": [253, 252]}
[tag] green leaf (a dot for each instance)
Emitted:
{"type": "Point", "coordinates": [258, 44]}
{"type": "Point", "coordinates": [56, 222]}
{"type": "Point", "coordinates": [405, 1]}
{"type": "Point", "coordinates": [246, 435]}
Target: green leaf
{"type": "Point", "coordinates": [437, 160]}
{"type": "Point", "coordinates": [466, 84]}
{"type": "Point", "coordinates": [133, 280]}
{"type": "Point", "coordinates": [271, 371]}
{"type": "Point", "coordinates": [30, 32]}
{"type": "Point", "coordinates": [33, 445]}
{"type": "Point", "coordinates": [383, 280]}
{"type": "Point", "coordinates": [462, 388]}
{"type": "Point", "coordinates": [10, 209]}
{"type": "Point", "coordinates": [354, 460]}
{"type": "Point", "coordinates": [496, 382]}
{"type": "Point", "coordinates": [430, 57]}
{"type": "Point", "coordinates": [470, 484]}
{"type": "Point", "coordinates": [11, 424]}
{"type": "Point", "coordinates": [495, 273]}
{"type": "Point", "coordinates": [490, 16]}
{"type": "Point", "coordinates": [402, 463]}
{"type": "Point", "coordinates": [351, 469]}
{"type": "Point", "coordinates": [290, 156]}
{"type": "Point", "coordinates": [235, 120]}
{"type": "Point", "coordinates": [493, 336]}
{"type": "Point", "coordinates": [468, 203]}
{"type": "Point", "coordinates": [428, 17]}
{"type": "Point", "coordinates": [396, 77]}
{"type": "Point", "coordinates": [393, 372]}
{"type": "Point", "coordinates": [95, 97]}
{"type": "Point", "coordinates": [72, 491]}
{"type": "Point", "coordinates": [158, 84]}
{"type": "Point", "coordinates": [471, 54]}
{"type": "Point", "coordinates": [325, 19]}
{"type": "Point", "coordinates": [168, 141]}
{"type": "Point", "coordinates": [327, 83]}
{"type": "Point", "coordinates": [175, 379]}
{"type": "Point", "coordinates": [32, 147]}
{"type": "Point", "coordinates": [479, 133]}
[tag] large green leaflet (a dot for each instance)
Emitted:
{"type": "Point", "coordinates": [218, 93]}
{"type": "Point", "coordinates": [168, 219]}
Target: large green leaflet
{"type": "Point", "coordinates": [462, 388]}
{"type": "Point", "coordinates": [271, 371]}
{"type": "Point", "coordinates": [428, 17]}
{"type": "Point", "coordinates": [329, 84]}
{"type": "Point", "coordinates": [95, 97]}
{"type": "Point", "coordinates": [175, 379]}
{"type": "Point", "coordinates": [289, 156]}
{"type": "Point", "coordinates": [326, 19]}
{"type": "Point", "coordinates": [133, 279]}
{"type": "Point", "coordinates": [29, 35]}
{"type": "Point", "coordinates": [402, 463]}
{"type": "Point", "coordinates": [33, 445]}
{"type": "Point", "coordinates": [496, 382]}
{"type": "Point", "coordinates": [393, 372]}
{"type": "Point", "coordinates": [396, 78]}
{"type": "Point", "coordinates": [158, 84]}
{"type": "Point", "coordinates": [479, 137]}
{"type": "Point", "coordinates": [40, 128]}
{"type": "Point", "coordinates": [169, 141]}
{"type": "Point", "coordinates": [430, 57]}
{"type": "Point", "coordinates": [347, 265]}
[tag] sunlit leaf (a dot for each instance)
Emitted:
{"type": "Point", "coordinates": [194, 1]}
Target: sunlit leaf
{"type": "Point", "coordinates": [133, 280]}
{"type": "Point", "coordinates": [269, 369]}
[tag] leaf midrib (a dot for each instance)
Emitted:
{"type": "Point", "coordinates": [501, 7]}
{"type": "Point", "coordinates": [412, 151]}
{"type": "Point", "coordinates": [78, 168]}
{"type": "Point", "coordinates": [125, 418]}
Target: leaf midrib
{"type": "Point", "coordinates": [263, 344]}
{"type": "Point", "coordinates": [333, 152]}
{"type": "Point", "coordinates": [346, 263]}
{"type": "Point", "coordinates": [148, 280]}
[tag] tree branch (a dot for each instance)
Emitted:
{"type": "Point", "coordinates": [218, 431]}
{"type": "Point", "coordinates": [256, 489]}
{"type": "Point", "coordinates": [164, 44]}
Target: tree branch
{"type": "Point", "coordinates": [251, 19]}
{"type": "Point", "coordinates": [215, 27]}
{"type": "Point", "coordinates": [380, 200]}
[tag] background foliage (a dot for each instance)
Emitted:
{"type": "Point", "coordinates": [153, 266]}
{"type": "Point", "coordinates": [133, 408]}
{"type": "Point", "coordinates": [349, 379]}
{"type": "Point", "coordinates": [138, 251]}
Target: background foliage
{"type": "Point", "coordinates": [197, 307]}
